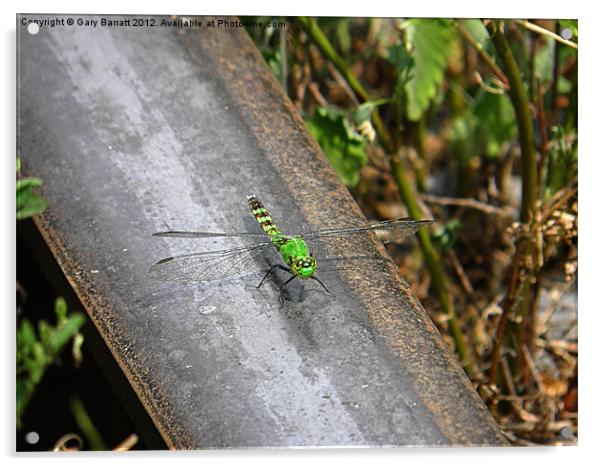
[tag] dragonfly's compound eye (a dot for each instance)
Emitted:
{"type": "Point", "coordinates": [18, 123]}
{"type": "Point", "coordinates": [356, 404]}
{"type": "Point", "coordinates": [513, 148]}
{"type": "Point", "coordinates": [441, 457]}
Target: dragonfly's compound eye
{"type": "Point", "coordinates": [306, 267]}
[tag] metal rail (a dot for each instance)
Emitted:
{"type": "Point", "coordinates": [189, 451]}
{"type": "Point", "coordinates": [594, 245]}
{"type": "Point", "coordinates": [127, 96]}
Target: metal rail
{"type": "Point", "coordinates": [133, 127]}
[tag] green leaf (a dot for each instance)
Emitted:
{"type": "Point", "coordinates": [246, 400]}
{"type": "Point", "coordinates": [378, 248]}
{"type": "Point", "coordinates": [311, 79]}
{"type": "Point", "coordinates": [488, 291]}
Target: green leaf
{"type": "Point", "coordinates": [564, 85]}
{"type": "Point", "coordinates": [478, 31]}
{"type": "Point", "coordinates": [343, 146]}
{"type": "Point", "coordinates": [544, 62]}
{"type": "Point", "coordinates": [67, 330]}
{"type": "Point", "coordinates": [38, 363]}
{"type": "Point", "coordinates": [404, 63]}
{"type": "Point", "coordinates": [399, 56]}
{"type": "Point", "coordinates": [496, 121]}
{"type": "Point", "coordinates": [25, 184]}
{"type": "Point", "coordinates": [26, 336]}
{"type": "Point", "coordinates": [431, 44]}
{"type": "Point", "coordinates": [21, 396]}
{"type": "Point", "coordinates": [274, 61]}
{"type": "Point", "coordinates": [445, 237]}
{"type": "Point", "coordinates": [45, 331]}
{"type": "Point", "coordinates": [60, 309]}
{"type": "Point", "coordinates": [461, 137]}
{"type": "Point", "coordinates": [562, 162]}
{"type": "Point", "coordinates": [343, 36]}
{"type": "Point", "coordinates": [30, 204]}
{"type": "Point", "coordinates": [364, 111]}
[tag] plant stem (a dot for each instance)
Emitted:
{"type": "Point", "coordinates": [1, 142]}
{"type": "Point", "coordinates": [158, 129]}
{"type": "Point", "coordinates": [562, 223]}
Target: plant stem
{"type": "Point", "coordinates": [520, 102]}
{"type": "Point", "coordinates": [433, 263]}
{"type": "Point", "coordinates": [508, 308]}
{"type": "Point", "coordinates": [532, 53]}
{"type": "Point", "coordinates": [85, 423]}
{"type": "Point", "coordinates": [420, 167]}
{"type": "Point", "coordinates": [556, 74]}
{"type": "Point", "coordinates": [524, 246]}
{"type": "Point", "coordinates": [543, 131]}
{"type": "Point", "coordinates": [439, 280]}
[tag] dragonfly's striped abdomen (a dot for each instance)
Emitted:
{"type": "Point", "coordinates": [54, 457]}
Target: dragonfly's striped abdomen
{"type": "Point", "coordinates": [264, 218]}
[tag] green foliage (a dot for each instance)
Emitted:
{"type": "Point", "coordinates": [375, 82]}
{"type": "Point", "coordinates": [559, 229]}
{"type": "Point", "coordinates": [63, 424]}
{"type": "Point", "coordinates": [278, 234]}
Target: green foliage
{"type": "Point", "coordinates": [421, 62]}
{"type": "Point", "coordinates": [263, 36]}
{"type": "Point", "coordinates": [543, 68]}
{"type": "Point", "coordinates": [477, 30]}
{"type": "Point", "coordinates": [29, 203]}
{"type": "Point", "coordinates": [37, 351]}
{"type": "Point", "coordinates": [345, 148]}
{"type": "Point", "coordinates": [267, 40]}
{"type": "Point", "coordinates": [544, 64]}
{"type": "Point", "coordinates": [445, 237]}
{"type": "Point", "coordinates": [274, 61]}
{"type": "Point", "coordinates": [566, 54]}
{"type": "Point", "coordinates": [461, 136]}
{"type": "Point", "coordinates": [402, 59]}
{"type": "Point", "coordinates": [362, 112]}
{"type": "Point", "coordinates": [496, 121]}
{"type": "Point", "coordinates": [486, 127]}
{"type": "Point", "coordinates": [404, 64]}
{"type": "Point", "coordinates": [562, 163]}
{"type": "Point", "coordinates": [338, 30]}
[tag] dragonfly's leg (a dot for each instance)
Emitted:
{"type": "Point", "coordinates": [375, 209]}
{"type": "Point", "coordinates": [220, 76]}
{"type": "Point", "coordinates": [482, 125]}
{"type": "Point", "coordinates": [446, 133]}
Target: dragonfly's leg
{"type": "Point", "coordinates": [313, 277]}
{"type": "Point", "coordinates": [287, 282]}
{"type": "Point", "coordinates": [265, 276]}
{"type": "Point", "coordinates": [275, 266]}
{"type": "Point", "coordinates": [282, 287]}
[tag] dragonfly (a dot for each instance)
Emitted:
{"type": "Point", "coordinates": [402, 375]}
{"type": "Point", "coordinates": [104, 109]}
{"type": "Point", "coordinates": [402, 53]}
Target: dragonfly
{"type": "Point", "coordinates": [294, 250]}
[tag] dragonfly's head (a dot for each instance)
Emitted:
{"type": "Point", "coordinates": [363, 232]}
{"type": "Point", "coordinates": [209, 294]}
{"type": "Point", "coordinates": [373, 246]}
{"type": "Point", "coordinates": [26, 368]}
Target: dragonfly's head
{"type": "Point", "coordinates": [304, 267]}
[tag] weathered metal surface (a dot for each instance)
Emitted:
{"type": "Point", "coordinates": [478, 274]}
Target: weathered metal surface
{"type": "Point", "coordinates": [133, 127]}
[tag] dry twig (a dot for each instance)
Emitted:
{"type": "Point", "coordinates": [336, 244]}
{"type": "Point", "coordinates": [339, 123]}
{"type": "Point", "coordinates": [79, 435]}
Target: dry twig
{"type": "Point", "coordinates": [545, 32]}
{"type": "Point", "coordinates": [464, 202]}
{"type": "Point", "coordinates": [127, 444]}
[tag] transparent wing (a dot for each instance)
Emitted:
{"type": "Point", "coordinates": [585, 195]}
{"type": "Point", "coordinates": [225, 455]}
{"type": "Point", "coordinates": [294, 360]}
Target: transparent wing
{"type": "Point", "coordinates": [361, 263]}
{"type": "Point", "coordinates": [205, 234]}
{"type": "Point", "coordinates": [387, 230]}
{"type": "Point", "coordinates": [209, 265]}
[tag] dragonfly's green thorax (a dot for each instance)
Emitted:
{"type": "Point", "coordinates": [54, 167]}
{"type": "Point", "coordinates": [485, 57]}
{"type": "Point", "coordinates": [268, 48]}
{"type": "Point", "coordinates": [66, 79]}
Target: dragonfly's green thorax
{"type": "Point", "coordinates": [293, 249]}
{"type": "Point", "coordinates": [296, 255]}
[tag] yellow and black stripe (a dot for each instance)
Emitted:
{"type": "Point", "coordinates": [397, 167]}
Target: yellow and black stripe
{"type": "Point", "coordinates": [263, 217]}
